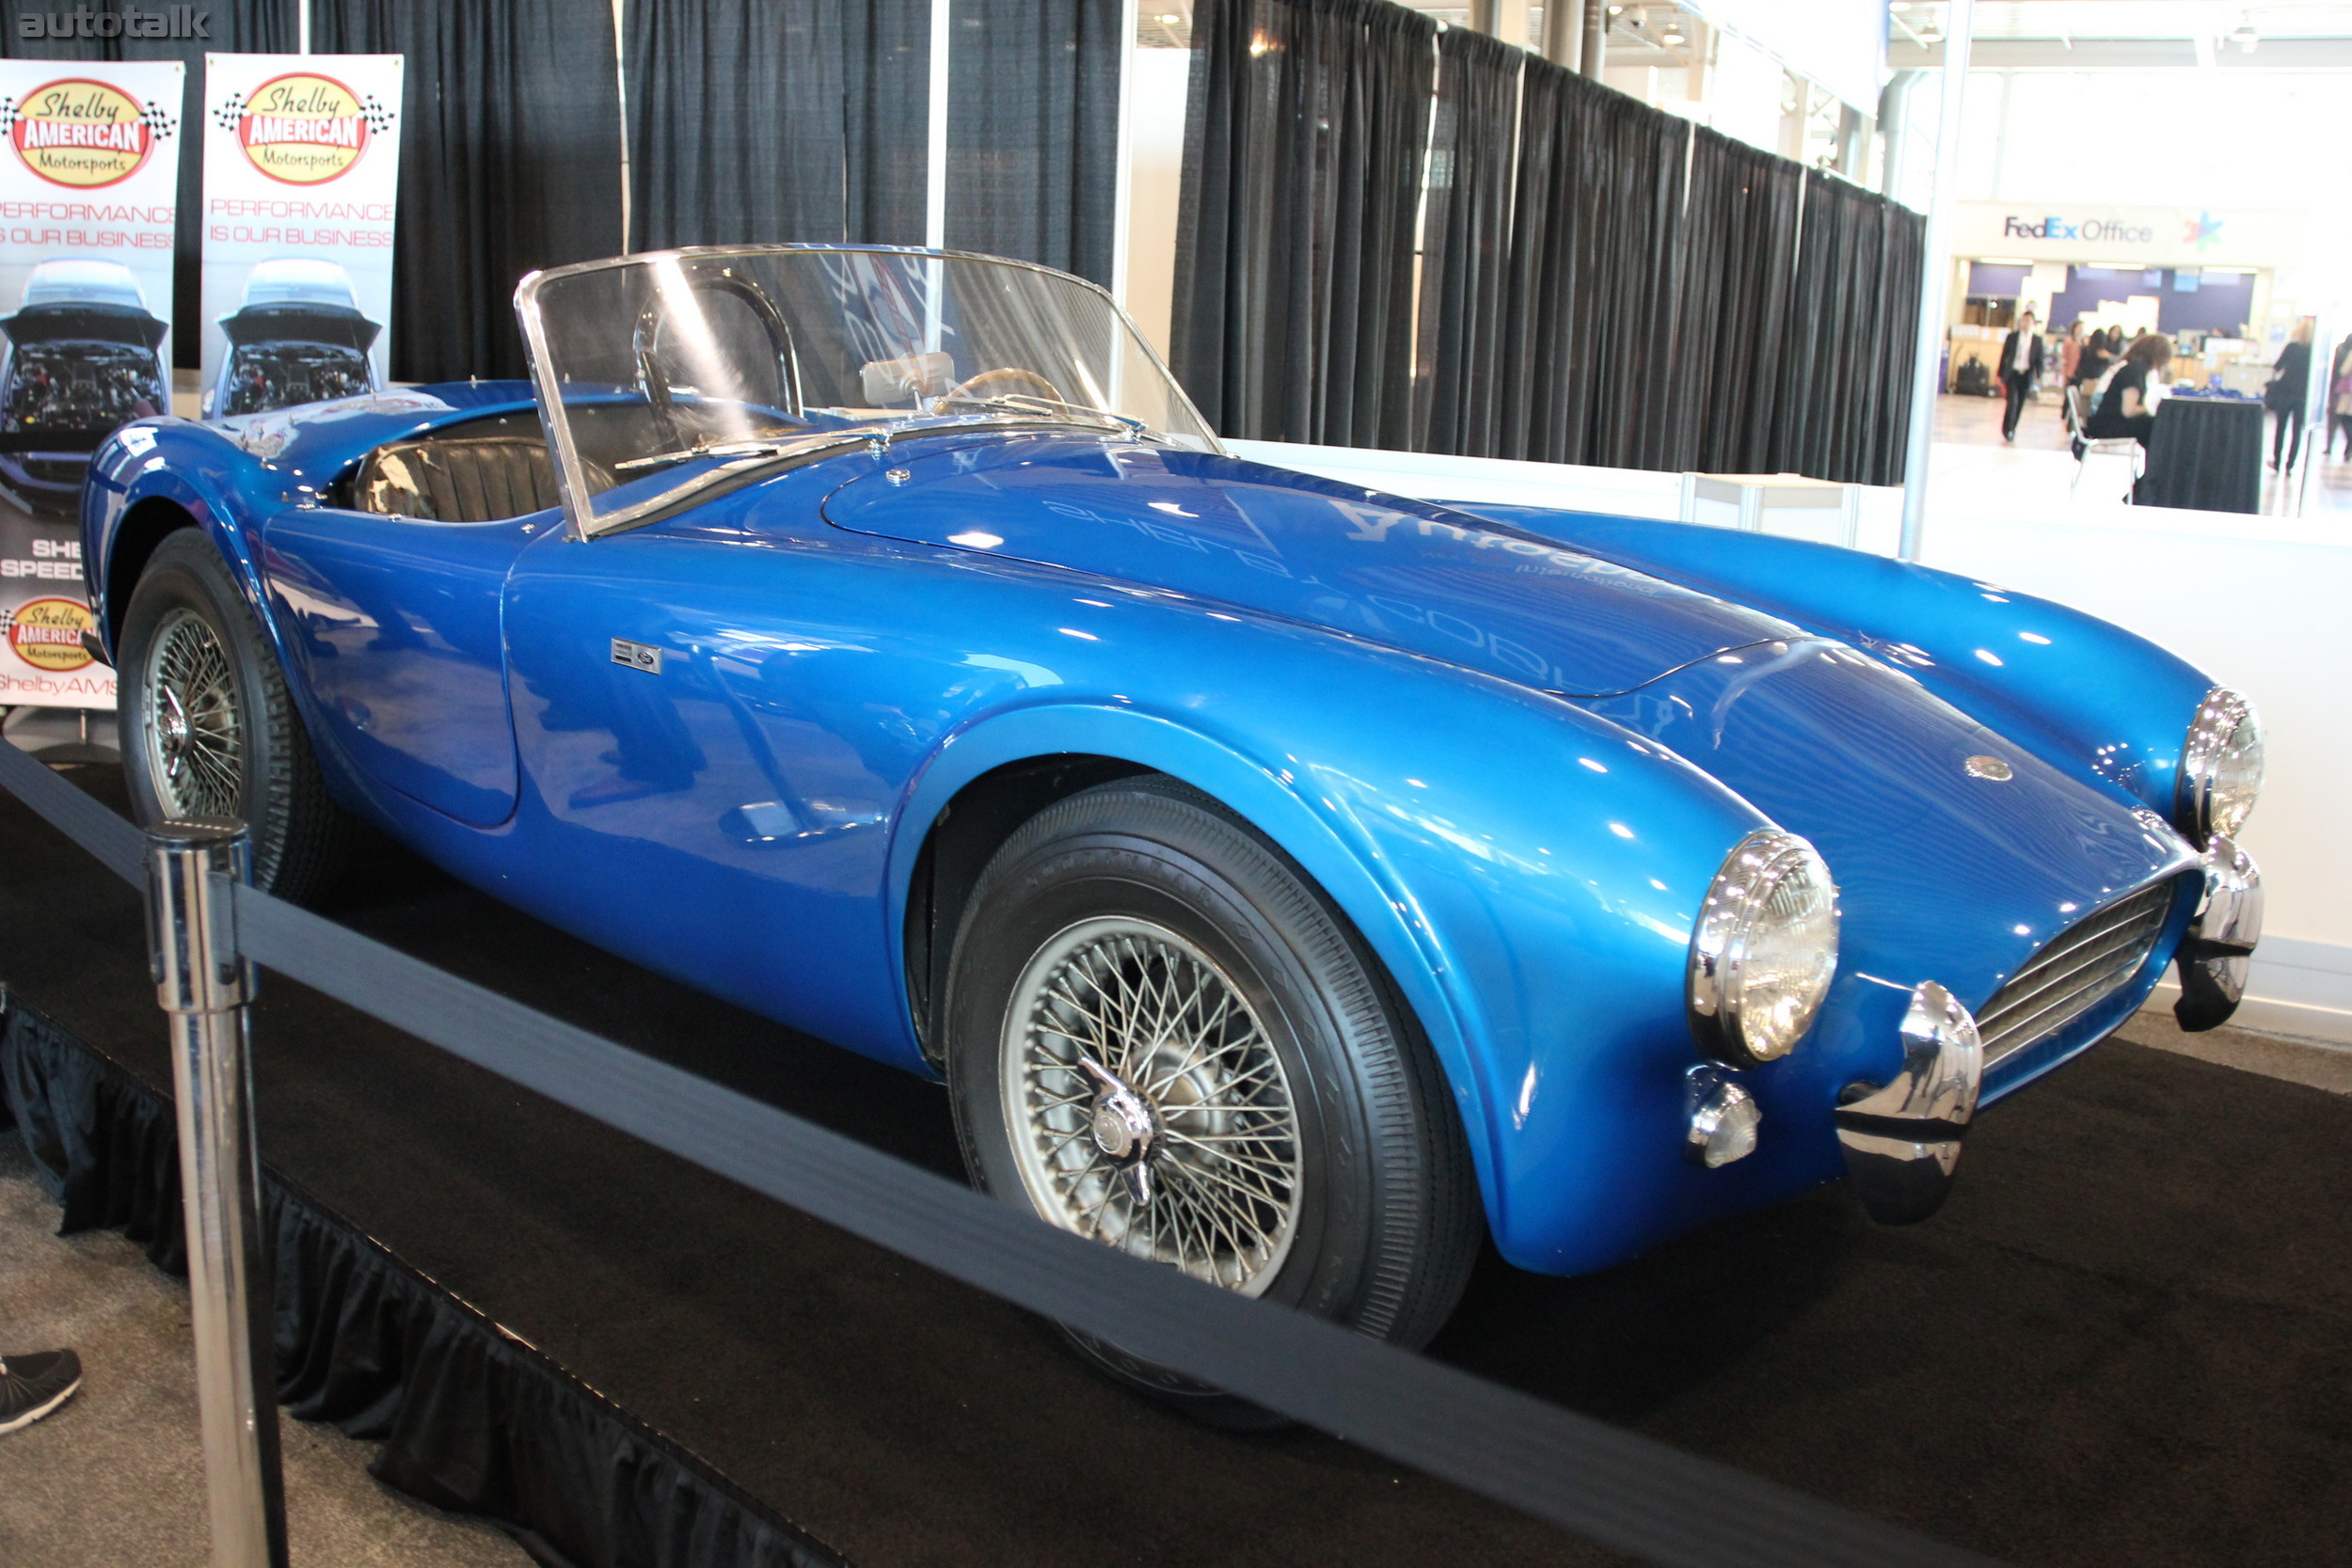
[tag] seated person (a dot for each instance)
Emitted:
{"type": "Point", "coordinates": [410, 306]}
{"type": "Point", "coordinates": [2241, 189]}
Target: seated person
{"type": "Point", "coordinates": [2097, 355]}
{"type": "Point", "coordinates": [2125, 408]}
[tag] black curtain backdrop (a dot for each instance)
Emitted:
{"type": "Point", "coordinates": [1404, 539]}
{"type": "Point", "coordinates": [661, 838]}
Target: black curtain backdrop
{"type": "Point", "coordinates": [510, 139]}
{"type": "Point", "coordinates": [1600, 282]}
{"type": "Point", "coordinates": [778, 121]}
{"type": "Point", "coordinates": [238, 26]}
{"type": "Point", "coordinates": [1595, 266]}
{"type": "Point", "coordinates": [1293, 307]}
{"type": "Point", "coordinates": [1905, 237]}
{"type": "Point", "coordinates": [1466, 238]}
{"type": "Point", "coordinates": [1845, 375]}
{"type": "Point", "coordinates": [1033, 131]}
{"type": "Point", "coordinates": [1738, 253]}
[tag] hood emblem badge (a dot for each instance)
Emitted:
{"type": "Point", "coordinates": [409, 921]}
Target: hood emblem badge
{"type": "Point", "coordinates": [1995, 768]}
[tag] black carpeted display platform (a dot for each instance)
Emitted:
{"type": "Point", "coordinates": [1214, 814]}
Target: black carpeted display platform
{"type": "Point", "coordinates": [468, 1419]}
{"type": "Point", "coordinates": [2127, 1339]}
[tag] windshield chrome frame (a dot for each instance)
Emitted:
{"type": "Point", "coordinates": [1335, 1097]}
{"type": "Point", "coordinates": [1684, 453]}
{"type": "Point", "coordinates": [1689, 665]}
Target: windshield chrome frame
{"type": "Point", "coordinates": [581, 522]}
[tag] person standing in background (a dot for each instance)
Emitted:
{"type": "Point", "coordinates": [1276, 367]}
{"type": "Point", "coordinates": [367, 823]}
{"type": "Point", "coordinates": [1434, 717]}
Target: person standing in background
{"type": "Point", "coordinates": [2340, 400]}
{"type": "Point", "coordinates": [2290, 389]}
{"type": "Point", "coordinates": [2070, 353]}
{"type": "Point", "coordinates": [2021, 366]}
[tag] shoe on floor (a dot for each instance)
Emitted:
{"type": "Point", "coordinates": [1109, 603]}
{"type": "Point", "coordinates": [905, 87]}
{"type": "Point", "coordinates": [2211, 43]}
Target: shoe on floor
{"type": "Point", "coordinates": [33, 1386]}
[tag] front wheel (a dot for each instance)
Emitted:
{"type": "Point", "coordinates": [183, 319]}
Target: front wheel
{"type": "Point", "coordinates": [208, 728]}
{"type": "Point", "coordinates": [1161, 1037]}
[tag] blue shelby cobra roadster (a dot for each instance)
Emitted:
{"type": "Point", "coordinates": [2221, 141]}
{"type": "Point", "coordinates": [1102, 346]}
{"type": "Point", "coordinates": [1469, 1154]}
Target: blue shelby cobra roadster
{"type": "Point", "coordinates": [1289, 881]}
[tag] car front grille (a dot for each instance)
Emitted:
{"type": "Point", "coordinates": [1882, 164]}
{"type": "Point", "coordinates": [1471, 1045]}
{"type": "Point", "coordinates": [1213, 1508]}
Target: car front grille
{"type": "Point", "coordinates": [2081, 967]}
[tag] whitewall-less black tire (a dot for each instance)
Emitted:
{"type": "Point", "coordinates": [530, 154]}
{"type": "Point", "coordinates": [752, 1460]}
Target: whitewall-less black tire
{"type": "Point", "coordinates": [207, 726]}
{"type": "Point", "coordinates": [1160, 1035]}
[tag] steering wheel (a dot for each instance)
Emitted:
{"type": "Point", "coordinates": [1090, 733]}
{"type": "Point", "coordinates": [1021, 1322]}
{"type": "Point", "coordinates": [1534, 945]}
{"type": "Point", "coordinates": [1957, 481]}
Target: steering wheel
{"type": "Point", "coordinates": [1005, 381]}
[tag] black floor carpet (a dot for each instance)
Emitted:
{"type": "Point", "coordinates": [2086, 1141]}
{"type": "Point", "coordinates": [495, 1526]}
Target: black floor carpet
{"type": "Point", "coordinates": [2128, 1339]}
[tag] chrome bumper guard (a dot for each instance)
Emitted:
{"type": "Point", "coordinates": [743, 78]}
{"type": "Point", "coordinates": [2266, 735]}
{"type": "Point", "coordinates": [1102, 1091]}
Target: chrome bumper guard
{"type": "Point", "coordinates": [2218, 947]}
{"type": "Point", "coordinates": [1901, 1139]}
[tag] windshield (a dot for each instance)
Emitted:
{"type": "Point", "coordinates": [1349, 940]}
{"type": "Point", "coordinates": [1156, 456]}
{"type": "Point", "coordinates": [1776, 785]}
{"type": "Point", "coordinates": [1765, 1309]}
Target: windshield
{"type": "Point", "coordinates": [667, 376]}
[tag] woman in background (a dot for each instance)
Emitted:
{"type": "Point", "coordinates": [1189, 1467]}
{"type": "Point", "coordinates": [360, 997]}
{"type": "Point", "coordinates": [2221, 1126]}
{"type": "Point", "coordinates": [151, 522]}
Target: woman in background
{"type": "Point", "coordinates": [2070, 353]}
{"type": "Point", "coordinates": [2092, 362]}
{"type": "Point", "coordinates": [2339, 400]}
{"type": "Point", "coordinates": [2290, 389]}
{"type": "Point", "coordinates": [2125, 410]}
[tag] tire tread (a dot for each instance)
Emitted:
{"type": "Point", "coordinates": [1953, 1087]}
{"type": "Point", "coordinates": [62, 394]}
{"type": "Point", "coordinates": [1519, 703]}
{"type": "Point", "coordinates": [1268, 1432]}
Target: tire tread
{"type": "Point", "coordinates": [301, 838]}
{"type": "Point", "coordinates": [1428, 1224]}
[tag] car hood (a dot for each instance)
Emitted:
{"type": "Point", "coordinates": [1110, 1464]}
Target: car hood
{"type": "Point", "coordinates": [1407, 574]}
{"type": "Point", "coordinates": [84, 321]}
{"type": "Point", "coordinates": [1945, 871]}
{"type": "Point", "coordinates": [339, 326]}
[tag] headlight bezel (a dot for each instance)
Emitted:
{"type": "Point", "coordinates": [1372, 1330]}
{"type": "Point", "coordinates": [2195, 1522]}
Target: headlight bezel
{"type": "Point", "coordinates": [1724, 935]}
{"type": "Point", "coordinates": [2205, 802]}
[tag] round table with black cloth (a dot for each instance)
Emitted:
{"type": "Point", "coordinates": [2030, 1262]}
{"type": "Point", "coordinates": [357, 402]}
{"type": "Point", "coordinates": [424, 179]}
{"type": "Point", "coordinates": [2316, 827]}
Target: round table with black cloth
{"type": "Point", "coordinates": [2206, 453]}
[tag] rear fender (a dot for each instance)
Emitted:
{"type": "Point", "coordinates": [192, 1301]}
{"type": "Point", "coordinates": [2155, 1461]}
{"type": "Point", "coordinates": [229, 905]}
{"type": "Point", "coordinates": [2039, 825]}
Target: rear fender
{"type": "Point", "coordinates": [189, 467]}
{"type": "Point", "coordinates": [226, 493]}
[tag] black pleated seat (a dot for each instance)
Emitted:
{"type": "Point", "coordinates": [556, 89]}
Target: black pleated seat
{"type": "Point", "coordinates": [471, 479]}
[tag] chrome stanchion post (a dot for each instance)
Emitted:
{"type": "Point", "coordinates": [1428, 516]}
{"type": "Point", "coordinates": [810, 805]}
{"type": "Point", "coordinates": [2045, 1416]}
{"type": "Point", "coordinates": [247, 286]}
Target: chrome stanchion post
{"type": "Point", "coordinates": [204, 984]}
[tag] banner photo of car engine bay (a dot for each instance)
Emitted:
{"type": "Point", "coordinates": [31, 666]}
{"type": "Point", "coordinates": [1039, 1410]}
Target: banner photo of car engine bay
{"type": "Point", "coordinates": [301, 176]}
{"type": "Point", "coordinates": [88, 187]}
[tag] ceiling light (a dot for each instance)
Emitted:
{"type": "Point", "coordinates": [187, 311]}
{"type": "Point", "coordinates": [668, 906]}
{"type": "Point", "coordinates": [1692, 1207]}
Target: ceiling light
{"type": "Point", "coordinates": [1673, 37]}
{"type": "Point", "coordinates": [1899, 5]}
{"type": "Point", "coordinates": [2245, 37]}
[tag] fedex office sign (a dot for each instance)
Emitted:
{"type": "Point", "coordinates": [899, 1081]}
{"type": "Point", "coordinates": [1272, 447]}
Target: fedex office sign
{"type": "Point", "coordinates": [2091, 230]}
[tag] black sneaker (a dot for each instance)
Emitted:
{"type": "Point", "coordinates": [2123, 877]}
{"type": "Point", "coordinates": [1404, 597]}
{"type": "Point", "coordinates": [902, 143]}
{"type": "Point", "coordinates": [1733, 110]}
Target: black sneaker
{"type": "Point", "coordinates": [33, 1386]}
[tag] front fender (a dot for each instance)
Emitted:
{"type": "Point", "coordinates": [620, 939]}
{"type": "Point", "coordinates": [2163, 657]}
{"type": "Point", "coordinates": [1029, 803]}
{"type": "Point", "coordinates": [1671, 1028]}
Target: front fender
{"type": "Point", "coordinates": [2083, 694]}
{"type": "Point", "coordinates": [1526, 871]}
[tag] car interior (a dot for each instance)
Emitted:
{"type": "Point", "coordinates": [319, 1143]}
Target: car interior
{"type": "Point", "coordinates": [480, 471]}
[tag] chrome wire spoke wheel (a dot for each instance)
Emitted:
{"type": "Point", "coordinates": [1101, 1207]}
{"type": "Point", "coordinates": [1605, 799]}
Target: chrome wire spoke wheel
{"type": "Point", "coordinates": [195, 734]}
{"type": "Point", "coordinates": [1147, 1106]}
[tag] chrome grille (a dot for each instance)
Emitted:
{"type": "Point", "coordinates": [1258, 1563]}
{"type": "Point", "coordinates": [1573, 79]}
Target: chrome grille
{"type": "Point", "coordinates": [2081, 967]}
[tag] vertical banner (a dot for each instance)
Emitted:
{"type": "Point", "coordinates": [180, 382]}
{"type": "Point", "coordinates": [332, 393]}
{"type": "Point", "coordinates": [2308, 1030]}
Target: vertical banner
{"type": "Point", "coordinates": [301, 175]}
{"type": "Point", "coordinates": [88, 185]}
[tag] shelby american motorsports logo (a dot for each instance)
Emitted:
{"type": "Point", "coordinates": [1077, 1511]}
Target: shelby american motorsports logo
{"type": "Point", "coordinates": [83, 133]}
{"type": "Point", "coordinates": [131, 21]}
{"type": "Point", "coordinates": [303, 129]}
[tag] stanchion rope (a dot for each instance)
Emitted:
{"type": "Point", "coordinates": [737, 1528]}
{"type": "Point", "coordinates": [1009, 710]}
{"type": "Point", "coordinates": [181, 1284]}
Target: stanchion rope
{"type": "Point", "coordinates": [1614, 1487]}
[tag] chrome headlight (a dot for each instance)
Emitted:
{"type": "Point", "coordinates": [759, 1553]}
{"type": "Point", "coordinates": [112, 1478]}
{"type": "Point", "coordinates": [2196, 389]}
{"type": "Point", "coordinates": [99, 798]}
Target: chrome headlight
{"type": "Point", "coordinates": [1763, 950]}
{"type": "Point", "coordinates": [2222, 767]}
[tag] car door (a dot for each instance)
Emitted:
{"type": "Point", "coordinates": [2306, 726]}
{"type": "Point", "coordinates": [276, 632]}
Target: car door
{"type": "Point", "coordinates": [716, 721]}
{"type": "Point", "coordinates": [393, 623]}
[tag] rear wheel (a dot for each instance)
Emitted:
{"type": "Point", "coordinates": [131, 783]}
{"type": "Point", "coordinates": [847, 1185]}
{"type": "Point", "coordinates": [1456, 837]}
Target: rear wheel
{"type": "Point", "coordinates": [208, 728]}
{"type": "Point", "coordinates": [1162, 1039]}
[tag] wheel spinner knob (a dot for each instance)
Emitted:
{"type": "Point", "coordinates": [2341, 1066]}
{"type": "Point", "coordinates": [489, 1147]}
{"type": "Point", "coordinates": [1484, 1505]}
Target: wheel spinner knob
{"type": "Point", "coordinates": [172, 724]}
{"type": "Point", "coordinates": [1124, 1130]}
